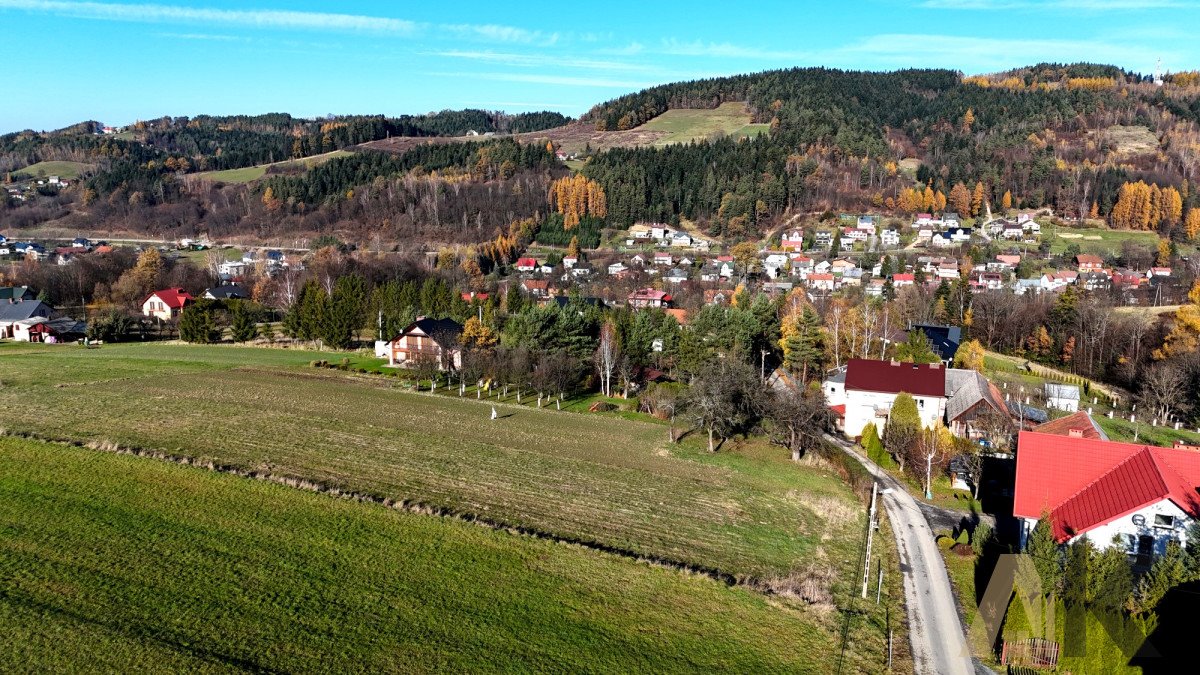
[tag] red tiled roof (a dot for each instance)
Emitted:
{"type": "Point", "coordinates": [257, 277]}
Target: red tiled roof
{"type": "Point", "coordinates": [526, 262]}
{"type": "Point", "coordinates": [1079, 422]}
{"type": "Point", "coordinates": [839, 410]}
{"type": "Point", "coordinates": [903, 277]}
{"type": "Point", "coordinates": [649, 294]}
{"type": "Point", "coordinates": [1088, 259]}
{"type": "Point", "coordinates": [175, 298]}
{"type": "Point", "coordinates": [1084, 482]}
{"type": "Point", "coordinates": [892, 377]}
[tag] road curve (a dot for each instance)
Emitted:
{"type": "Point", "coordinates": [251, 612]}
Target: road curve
{"type": "Point", "coordinates": [939, 643]}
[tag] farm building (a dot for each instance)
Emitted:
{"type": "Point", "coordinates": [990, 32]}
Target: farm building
{"type": "Point", "coordinates": [1062, 396]}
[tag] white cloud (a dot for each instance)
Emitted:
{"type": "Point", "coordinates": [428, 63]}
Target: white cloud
{"type": "Point", "coordinates": [974, 54]}
{"type": "Point", "coordinates": [278, 19]}
{"type": "Point", "coordinates": [558, 80]}
{"type": "Point", "coordinates": [540, 60]}
{"type": "Point", "coordinates": [246, 18]}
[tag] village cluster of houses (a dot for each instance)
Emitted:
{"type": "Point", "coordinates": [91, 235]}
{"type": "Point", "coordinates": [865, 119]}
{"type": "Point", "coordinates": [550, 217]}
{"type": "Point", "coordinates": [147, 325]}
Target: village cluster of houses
{"type": "Point", "coordinates": [1130, 495]}
{"type": "Point", "coordinates": [25, 318]}
{"type": "Point", "coordinates": [63, 255]}
{"type": "Point", "coordinates": [23, 190]}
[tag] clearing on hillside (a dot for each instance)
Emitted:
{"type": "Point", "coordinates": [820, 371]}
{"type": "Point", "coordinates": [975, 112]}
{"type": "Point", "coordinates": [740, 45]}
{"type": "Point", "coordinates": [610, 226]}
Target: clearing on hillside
{"type": "Point", "coordinates": [253, 173]}
{"type": "Point", "coordinates": [673, 126]}
{"type": "Point", "coordinates": [1125, 142]}
{"type": "Point", "coordinates": [114, 563]}
{"type": "Point", "coordinates": [685, 125]}
{"type": "Point", "coordinates": [62, 169]}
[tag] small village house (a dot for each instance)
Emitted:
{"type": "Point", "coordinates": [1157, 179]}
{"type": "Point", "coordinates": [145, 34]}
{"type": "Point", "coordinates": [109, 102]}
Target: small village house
{"type": "Point", "coordinates": [437, 338]}
{"type": "Point", "coordinates": [166, 304]}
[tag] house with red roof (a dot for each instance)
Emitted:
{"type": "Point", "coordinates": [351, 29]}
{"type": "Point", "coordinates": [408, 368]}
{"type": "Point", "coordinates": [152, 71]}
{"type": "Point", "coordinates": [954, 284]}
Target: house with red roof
{"type": "Point", "coordinates": [792, 241]}
{"type": "Point", "coordinates": [1076, 425]}
{"type": "Point", "coordinates": [1135, 496]}
{"type": "Point", "coordinates": [649, 297]}
{"type": "Point", "coordinates": [166, 304]}
{"type": "Point", "coordinates": [867, 388]}
{"type": "Point", "coordinates": [1087, 262]}
{"type": "Point", "coordinates": [526, 264]}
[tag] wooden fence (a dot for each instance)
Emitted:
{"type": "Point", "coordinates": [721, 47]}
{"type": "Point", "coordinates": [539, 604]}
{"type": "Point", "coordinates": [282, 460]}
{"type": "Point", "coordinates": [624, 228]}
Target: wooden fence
{"type": "Point", "coordinates": [1030, 653]}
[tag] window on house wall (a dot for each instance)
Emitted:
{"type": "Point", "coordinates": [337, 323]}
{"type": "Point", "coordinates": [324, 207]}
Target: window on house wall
{"type": "Point", "coordinates": [1163, 520]}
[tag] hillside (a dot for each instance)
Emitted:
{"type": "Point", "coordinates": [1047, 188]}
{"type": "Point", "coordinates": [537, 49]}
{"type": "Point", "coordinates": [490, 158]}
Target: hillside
{"type": "Point", "coordinates": [253, 173]}
{"type": "Point", "coordinates": [738, 156]}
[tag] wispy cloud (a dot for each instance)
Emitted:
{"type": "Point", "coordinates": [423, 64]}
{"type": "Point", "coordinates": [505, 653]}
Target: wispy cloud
{"type": "Point", "coordinates": [202, 36]}
{"type": "Point", "coordinates": [557, 80]}
{"type": "Point", "coordinates": [725, 50]}
{"type": "Point", "coordinates": [495, 33]}
{"type": "Point", "coordinates": [974, 54]}
{"type": "Point", "coordinates": [542, 60]}
{"type": "Point", "coordinates": [1053, 5]}
{"type": "Point", "coordinates": [144, 13]}
{"type": "Point", "coordinates": [280, 20]}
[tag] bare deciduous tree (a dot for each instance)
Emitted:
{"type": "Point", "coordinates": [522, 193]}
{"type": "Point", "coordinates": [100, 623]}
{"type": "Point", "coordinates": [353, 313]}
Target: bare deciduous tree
{"type": "Point", "coordinates": [1164, 390]}
{"type": "Point", "coordinates": [796, 420]}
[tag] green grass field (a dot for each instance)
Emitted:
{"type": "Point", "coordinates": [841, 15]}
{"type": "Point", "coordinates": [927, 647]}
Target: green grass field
{"type": "Point", "coordinates": [578, 476]}
{"type": "Point", "coordinates": [69, 170]}
{"type": "Point", "coordinates": [253, 173]}
{"type": "Point", "coordinates": [1096, 240]}
{"type": "Point", "coordinates": [115, 563]}
{"type": "Point", "coordinates": [684, 125]}
{"type": "Point", "coordinates": [245, 587]}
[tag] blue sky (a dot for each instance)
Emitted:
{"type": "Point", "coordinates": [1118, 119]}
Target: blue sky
{"type": "Point", "coordinates": [117, 62]}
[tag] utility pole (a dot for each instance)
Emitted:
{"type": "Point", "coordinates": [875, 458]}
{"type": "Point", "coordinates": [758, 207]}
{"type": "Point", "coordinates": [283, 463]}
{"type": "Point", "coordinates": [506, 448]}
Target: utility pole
{"type": "Point", "coordinates": [870, 538]}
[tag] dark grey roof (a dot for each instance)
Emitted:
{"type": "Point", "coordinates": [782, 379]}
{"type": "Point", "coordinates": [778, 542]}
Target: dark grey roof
{"type": "Point", "coordinates": [1031, 413]}
{"type": "Point", "coordinates": [967, 388]}
{"type": "Point", "coordinates": [16, 293]}
{"type": "Point", "coordinates": [228, 292]}
{"type": "Point", "coordinates": [445, 332]}
{"type": "Point", "coordinates": [18, 311]}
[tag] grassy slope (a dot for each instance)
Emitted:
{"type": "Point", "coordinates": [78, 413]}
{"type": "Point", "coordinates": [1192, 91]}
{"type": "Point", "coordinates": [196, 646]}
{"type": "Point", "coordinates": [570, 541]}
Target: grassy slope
{"type": "Point", "coordinates": [62, 169]}
{"type": "Point", "coordinates": [1096, 240]}
{"type": "Point", "coordinates": [684, 125]}
{"type": "Point", "coordinates": [579, 476]}
{"type": "Point", "coordinates": [253, 173]}
{"type": "Point", "coordinates": [124, 564]}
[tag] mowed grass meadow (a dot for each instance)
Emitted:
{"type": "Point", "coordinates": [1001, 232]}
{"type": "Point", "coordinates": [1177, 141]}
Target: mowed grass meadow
{"type": "Point", "coordinates": [117, 563]}
{"type": "Point", "coordinates": [252, 173]}
{"type": "Point", "coordinates": [684, 125]}
{"type": "Point", "coordinates": [598, 480]}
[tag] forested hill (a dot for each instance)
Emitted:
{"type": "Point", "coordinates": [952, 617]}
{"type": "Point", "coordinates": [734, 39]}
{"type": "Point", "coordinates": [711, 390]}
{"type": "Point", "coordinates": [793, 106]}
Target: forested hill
{"type": "Point", "coordinates": [206, 142]}
{"type": "Point", "coordinates": [1047, 135]}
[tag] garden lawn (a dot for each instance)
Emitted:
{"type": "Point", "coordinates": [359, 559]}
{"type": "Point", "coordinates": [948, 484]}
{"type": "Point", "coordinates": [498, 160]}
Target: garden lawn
{"type": "Point", "coordinates": [117, 563]}
{"type": "Point", "coordinates": [584, 477]}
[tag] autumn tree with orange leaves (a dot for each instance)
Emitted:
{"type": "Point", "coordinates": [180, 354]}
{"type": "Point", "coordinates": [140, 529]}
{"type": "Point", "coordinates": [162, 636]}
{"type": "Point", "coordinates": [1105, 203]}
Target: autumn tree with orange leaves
{"type": "Point", "coordinates": [577, 196]}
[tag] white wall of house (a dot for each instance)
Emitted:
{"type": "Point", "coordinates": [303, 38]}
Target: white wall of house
{"type": "Point", "coordinates": [1126, 527]}
{"type": "Point", "coordinates": [861, 407]}
{"type": "Point", "coordinates": [1102, 536]}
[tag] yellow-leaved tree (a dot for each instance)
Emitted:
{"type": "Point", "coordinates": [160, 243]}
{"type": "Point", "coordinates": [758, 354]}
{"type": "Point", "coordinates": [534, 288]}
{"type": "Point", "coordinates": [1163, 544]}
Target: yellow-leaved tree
{"type": "Point", "coordinates": [1184, 337]}
{"type": "Point", "coordinates": [1191, 224]}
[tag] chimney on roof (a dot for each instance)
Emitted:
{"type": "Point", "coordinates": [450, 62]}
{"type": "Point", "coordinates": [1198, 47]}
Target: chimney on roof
{"type": "Point", "coordinates": [1075, 433]}
{"type": "Point", "coordinates": [420, 318]}
{"type": "Point", "coordinates": [935, 366]}
{"type": "Point", "coordinates": [895, 362]}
